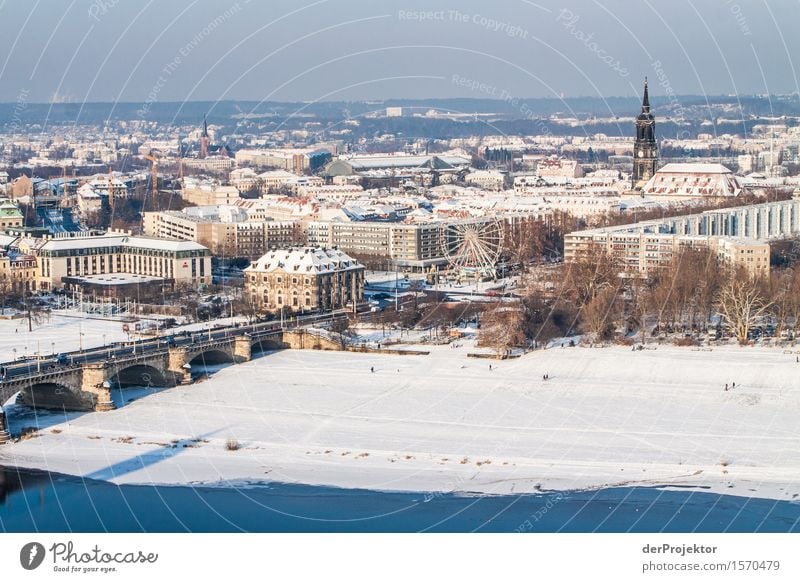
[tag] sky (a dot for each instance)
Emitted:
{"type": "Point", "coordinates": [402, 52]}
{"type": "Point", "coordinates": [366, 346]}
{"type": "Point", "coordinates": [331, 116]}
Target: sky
{"type": "Point", "coordinates": [308, 50]}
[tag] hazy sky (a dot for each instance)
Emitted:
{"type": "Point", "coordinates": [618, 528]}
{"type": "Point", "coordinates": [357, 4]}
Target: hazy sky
{"type": "Point", "coordinates": [165, 50]}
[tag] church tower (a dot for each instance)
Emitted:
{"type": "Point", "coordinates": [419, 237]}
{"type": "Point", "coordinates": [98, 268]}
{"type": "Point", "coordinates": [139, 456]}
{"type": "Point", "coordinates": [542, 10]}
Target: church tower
{"type": "Point", "coordinates": [645, 148]}
{"type": "Point", "coordinates": [204, 140]}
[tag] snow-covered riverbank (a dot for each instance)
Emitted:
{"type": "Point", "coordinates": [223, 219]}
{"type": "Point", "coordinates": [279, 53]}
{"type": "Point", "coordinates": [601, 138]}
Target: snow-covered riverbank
{"type": "Point", "coordinates": [445, 422]}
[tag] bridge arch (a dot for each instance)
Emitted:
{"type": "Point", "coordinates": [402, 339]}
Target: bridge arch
{"type": "Point", "coordinates": [267, 344]}
{"type": "Point", "coordinates": [212, 356]}
{"type": "Point", "coordinates": [140, 375]}
{"type": "Point", "coordinates": [56, 396]}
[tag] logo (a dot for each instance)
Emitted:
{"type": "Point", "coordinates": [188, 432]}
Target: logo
{"type": "Point", "coordinates": [32, 555]}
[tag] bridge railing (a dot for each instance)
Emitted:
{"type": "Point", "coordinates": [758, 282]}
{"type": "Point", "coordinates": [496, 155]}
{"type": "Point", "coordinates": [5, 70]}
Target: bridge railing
{"type": "Point", "coordinates": [40, 375]}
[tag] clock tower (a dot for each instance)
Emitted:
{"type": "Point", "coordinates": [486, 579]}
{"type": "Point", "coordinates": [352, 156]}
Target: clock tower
{"type": "Point", "coordinates": [645, 148]}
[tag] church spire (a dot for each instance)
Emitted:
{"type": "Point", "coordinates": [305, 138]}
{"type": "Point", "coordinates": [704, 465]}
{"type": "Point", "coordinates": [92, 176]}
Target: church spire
{"type": "Point", "coordinates": [645, 146]}
{"type": "Point", "coordinates": [646, 99]}
{"type": "Point", "coordinates": [204, 139]}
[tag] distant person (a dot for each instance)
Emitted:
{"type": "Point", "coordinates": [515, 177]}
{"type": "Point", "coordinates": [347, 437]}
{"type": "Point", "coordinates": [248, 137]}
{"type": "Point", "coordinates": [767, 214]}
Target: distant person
{"type": "Point", "coordinates": [372, 369]}
{"type": "Point", "coordinates": [726, 387]}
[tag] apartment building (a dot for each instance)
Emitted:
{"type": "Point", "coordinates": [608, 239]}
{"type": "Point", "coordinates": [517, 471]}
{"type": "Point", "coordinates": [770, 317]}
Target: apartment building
{"type": "Point", "coordinates": [646, 248]}
{"type": "Point", "coordinates": [208, 194]}
{"type": "Point", "coordinates": [408, 246]}
{"type": "Point", "coordinates": [233, 238]}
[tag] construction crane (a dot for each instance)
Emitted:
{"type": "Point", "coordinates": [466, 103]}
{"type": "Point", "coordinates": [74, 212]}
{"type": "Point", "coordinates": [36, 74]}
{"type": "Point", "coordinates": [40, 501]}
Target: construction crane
{"type": "Point", "coordinates": [153, 173]}
{"type": "Point", "coordinates": [111, 187]}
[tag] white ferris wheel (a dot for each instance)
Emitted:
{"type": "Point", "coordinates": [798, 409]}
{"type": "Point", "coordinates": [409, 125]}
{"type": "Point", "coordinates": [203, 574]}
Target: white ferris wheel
{"type": "Point", "coordinates": [472, 249]}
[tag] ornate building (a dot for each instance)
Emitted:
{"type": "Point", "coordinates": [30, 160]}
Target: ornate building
{"type": "Point", "coordinates": [304, 279]}
{"type": "Point", "coordinates": [645, 148]}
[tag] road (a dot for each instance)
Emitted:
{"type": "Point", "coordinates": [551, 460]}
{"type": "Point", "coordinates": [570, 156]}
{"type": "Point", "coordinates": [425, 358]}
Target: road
{"type": "Point", "coordinates": [31, 366]}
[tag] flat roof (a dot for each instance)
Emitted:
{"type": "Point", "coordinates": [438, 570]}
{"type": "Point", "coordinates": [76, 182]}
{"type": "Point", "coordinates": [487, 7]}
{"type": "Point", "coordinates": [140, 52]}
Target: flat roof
{"type": "Point", "coordinates": [112, 279]}
{"type": "Point", "coordinates": [83, 242]}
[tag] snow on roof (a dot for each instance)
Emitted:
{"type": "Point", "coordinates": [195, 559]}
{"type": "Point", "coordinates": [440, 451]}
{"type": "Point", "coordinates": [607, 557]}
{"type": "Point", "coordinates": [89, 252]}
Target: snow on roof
{"type": "Point", "coordinates": [677, 168]}
{"type": "Point", "coordinates": [402, 161]}
{"type": "Point", "coordinates": [86, 242]}
{"type": "Point", "coordinates": [305, 260]}
{"type": "Point", "coordinates": [117, 279]}
{"type": "Point", "coordinates": [144, 242]}
{"type": "Point", "coordinates": [693, 180]}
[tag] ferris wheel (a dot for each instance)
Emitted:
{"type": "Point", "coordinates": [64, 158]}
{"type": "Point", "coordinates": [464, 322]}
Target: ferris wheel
{"type": "Point", "coordinates": [473, 248]}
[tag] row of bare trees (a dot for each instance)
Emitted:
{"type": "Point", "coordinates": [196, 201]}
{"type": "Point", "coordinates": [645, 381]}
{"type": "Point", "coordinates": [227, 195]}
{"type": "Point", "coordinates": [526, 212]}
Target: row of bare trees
{"type": "Point", "coordinates": [690, 293]}
{"type": "Point", "coordinates": [596, 295]}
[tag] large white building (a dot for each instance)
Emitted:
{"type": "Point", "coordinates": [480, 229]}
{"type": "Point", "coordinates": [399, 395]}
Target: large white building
{"type": "Point", "coordinates": [692, 181]}
{"type": "Point", "coordinates": [75, 260]}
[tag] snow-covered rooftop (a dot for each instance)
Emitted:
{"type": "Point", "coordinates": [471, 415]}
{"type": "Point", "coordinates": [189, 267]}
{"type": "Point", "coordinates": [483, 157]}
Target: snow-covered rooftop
{"type": "Point", "coordinates": [85, 242]}
{"type": "Point", "coordinates": [305, 260]}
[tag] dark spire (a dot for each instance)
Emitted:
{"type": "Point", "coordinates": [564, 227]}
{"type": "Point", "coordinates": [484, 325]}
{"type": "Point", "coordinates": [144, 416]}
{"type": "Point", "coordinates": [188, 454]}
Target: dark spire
{"type": "Point", "coordinates": [205, 123]}
{"type": "Point", "coordinates": [646, 100]}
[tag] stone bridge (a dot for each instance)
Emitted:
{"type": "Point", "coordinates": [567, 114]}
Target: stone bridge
{"type": "Point", "coordinates": [88, 386]}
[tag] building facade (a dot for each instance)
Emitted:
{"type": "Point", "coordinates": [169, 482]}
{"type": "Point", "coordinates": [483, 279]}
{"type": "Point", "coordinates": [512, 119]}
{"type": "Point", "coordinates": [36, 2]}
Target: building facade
{"type": "Point", "coordinates": [241, 238]}
{"type": "Point", "coordinates": [304, 279]}
{"type": "Point", "coordinates": [407, 246]}
{"type": "Point", "coordinates": [10, 215]}
{"type": "Point", "coordinates": [740, 235]}
{"type": "Point", "coordinates": [77, 257]}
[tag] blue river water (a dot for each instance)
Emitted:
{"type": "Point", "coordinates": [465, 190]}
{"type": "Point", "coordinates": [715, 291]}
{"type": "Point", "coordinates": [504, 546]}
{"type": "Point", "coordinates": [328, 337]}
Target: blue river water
{"type": "Point", "coordinates": [37, 501]}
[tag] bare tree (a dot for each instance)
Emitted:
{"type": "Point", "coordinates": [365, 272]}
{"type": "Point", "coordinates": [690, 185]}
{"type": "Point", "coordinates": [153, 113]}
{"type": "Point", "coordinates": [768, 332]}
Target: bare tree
{"type": "Point", "coordinates": [741, 301]}
{"type": "Point", "coordinates": [243, 304]}
{"type": "Point", "coordinates": [592, 271]}
{"type": "Point", "coordinates": [639, 291]}
{"type": "Point", "coordinates": [785, 293]}
{"type": "Point", "coordinates": [599, 316]}
{"type": "Point", "coordinates": [502, 328]}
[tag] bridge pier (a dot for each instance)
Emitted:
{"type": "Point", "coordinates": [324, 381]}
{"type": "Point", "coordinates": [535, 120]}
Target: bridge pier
{"type": "Point", "coordinates": [95, 382]}
{"type": "Point", "coordinates": [104, 403]}
{"type": "Point", "coordinates": [5, 436]}
{"type": "Point", "coordinates": [242, 349]}
{"type": "Point", "coordinates": [178, 364]}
